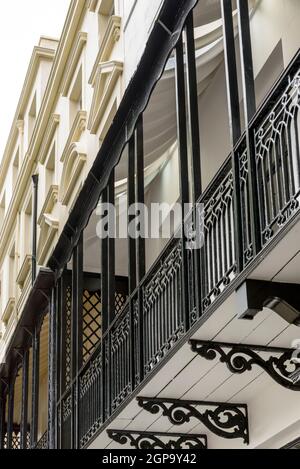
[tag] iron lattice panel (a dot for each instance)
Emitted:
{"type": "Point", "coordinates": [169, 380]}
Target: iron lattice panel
{"type": "Point", "coordinates": [68, 334]}
{"type": "Point", "coordinates": [92, 323]}
{"type": "Point", "coordinates": [15, 442]}
{"type": "Point", "coordinates": [120, 301]}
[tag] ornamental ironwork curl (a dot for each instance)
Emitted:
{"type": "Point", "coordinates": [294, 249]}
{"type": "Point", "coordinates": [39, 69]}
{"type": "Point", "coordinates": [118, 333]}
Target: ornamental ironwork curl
{"type": "Point", "coordinates": [240, 358]}
{"type": "Point", "coordinates": [218, 250]}
{"type": "Point", "coordinates": [276, 144]}
{"type": "Point", "coordinates": [147, 440]}
{"type": "Point", "coordinates": [228, 421]}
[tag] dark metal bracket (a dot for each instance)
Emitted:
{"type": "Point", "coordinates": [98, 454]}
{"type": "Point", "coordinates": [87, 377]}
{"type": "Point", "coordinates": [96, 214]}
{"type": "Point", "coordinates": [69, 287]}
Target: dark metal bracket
{"type": "Point", "coordinates": [282, 365]}
{"type": "Point", "coordinates": [223, 419]}
{"type": "Point", "coordinates": [282, 298]}
{"type": "Point", "coordinates": [158, 440]}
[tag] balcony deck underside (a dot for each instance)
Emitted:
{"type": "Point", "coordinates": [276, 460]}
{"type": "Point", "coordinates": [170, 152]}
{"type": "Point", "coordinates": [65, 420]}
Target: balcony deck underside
{"type": "Point", "coordinates": [274, 413]}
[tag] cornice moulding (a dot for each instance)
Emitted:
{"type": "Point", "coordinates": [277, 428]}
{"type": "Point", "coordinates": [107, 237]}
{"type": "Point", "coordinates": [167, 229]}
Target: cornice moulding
{"type": "Point", "coordinates": [49, 134]}
{"type": "Point", "coordinates": [104, 88]}
{"type": "Point", "coordinates": [112, 35]}
{"type": "Point", "coordinates": [81, 40]}
{"type": "Point", "coordinates": [77, 129]}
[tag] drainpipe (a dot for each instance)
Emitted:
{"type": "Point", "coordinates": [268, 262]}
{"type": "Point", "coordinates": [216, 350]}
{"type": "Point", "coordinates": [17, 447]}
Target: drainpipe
{"type": "Point", "coordinates": [35, 182]}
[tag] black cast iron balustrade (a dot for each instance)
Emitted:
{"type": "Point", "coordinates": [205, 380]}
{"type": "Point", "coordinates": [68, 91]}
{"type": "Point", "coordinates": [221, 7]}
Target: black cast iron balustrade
{"type": "Point", "coordinates": [90, 402]}
{"type": "Point", "coordinates": [15, 438]}
{"type": "Point", "coordinates": [66, 420]}
{"type": "Point", "coordinates": [120, 377]}
{"type": "Point", "coordinates": [157, 322]}
{"type": "Point", "coordinates": [137, 339]}
{"type": "Point", "coordinates": [241, 155]}
{"type": "Point", "coordinates": [218, 252]}
{"type": "Point", "coordinates": [162, 306]}
{"type": "Point", "coordinates": [277, 157]}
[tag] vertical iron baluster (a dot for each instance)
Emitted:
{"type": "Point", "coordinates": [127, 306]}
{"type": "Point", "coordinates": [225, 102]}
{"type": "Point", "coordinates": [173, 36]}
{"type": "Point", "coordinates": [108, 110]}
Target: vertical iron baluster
{"type": "Point", "coordinates": [24, 408]}
{"type": "Point", "coordinates": [3, 398]}
{"type": "Point", "coordinates": [76, 345]}
{"type": "Point", "coordinates": [249, 111]}
{"type": "Point", "coordinates": [141, 249]}
{"type": "Point", "coordinates": [183, 169]}
{"type": "Point", "coordinates": [111, 275]}
{"type": "Point", "coordinates": [234, 121]}
{"type": "Point", "coordinates": [35, 386]}
{"type": "Point", "coordinates": [104, 309]}
{"type": "Point", "coordinates": [10, 414]}
{"type": "Point", "coordinates": [131, 247]}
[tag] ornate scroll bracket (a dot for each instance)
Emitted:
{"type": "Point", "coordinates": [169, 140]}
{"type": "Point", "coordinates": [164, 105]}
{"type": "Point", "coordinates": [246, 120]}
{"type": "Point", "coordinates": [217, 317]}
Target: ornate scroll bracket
{"type": "Point", "coordinates": [281, 364]}
{"type": "Point", "coordinates": [158, 440]}
{"type": "Point", "coordinates": [225, 420]}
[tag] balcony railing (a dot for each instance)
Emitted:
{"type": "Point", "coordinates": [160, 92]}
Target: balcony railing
{"type": "Point", "coordinates": [43, 442]}
{"type": "Point", "coordinates": [154, 318]}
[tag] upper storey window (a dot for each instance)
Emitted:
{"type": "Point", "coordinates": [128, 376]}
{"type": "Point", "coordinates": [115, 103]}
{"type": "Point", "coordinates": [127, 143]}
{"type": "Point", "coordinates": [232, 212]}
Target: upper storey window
{"type": "Point", "coordinates": [16, 164]}
{"type": "Point", "coordinates": [76, 101]}
{"type": "Point", "coordinates": [32, 118]}
{"type": "Point", "coordinates": [2, 208]}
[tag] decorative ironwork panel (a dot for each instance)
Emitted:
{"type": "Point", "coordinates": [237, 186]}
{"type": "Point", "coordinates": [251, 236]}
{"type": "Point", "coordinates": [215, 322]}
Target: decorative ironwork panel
{"type": "Point", "coordinates": [277, 156]}
{"type": "Point", "coordinates": [68, 335]}
{"type": "Point", "coordinates": [218, 253]}
{"type": "Point", "coordinates": [43, 442]}
{"type": "Point", "coordinates": [137, 342]}
{"type": "Point", "coordinates": [194, 237]}
{"type": "Point", "coordinates": [90, 404]}
{"type": "Point", "coordinates": [225, 420]}
{"type": "Point", "coordinates": [121, 384]}
{"type": "Point", "coordinates": [28, 439]}
{"type": "Point", "coordinates": [91, 323]}
{"type": "Point", "coordinates": [247, 243]}
{"type": "Point", "coordinates": [158, 440]}
{"type": "Point", "coordinates": [66, 417]}
{"type": "Point", "coordinates": [120, 301]}
{"type": "Point", "coordinates": [279, 363]}
{"type": "Point", "coordinates": [162, 301]}
{"type": "Point", "coordinates": [16, 438]}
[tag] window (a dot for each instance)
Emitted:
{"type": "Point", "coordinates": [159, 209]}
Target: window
{"type": "Point", "coordinates": [27, 228]}
{"type": "Point", "coordinates": [12, 262]}
{"type": "Point", "coordinates": [2, 209]}
{"type": "Point", "coordinates": [31, 118]}
{"type": "Point", "coordinates": [16, 168]}
{"type": "Point", "coordinates": [50, 169]}
{"type": "Point", "coordinates": [76, 103]}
